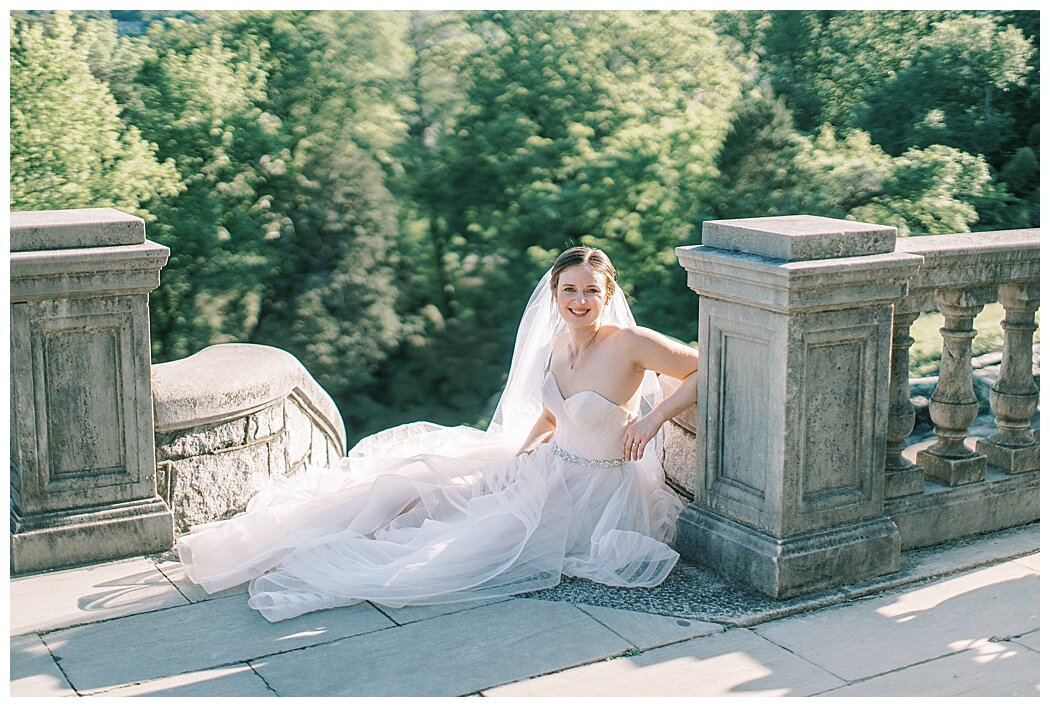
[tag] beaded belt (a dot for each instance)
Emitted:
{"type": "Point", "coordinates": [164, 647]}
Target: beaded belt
{"type": "Point", "coordinates": [602, 463]}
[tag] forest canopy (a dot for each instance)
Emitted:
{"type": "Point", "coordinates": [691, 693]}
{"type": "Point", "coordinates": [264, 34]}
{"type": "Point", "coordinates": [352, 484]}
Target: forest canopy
{"type": "Point", "coordinates": [377, 192]}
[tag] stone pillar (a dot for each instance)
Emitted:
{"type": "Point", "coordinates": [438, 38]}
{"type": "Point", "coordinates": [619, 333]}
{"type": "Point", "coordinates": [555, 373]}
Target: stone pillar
{"type": "Point", "coordinates": [953, 405]}
{"type": "Point", "coordinates": [794, 338]}
{"type": "Point", "coordinates": [1015, 397]}
{"type": "Point", "coordinates": [902, 477]}
{"type": "Point", "coordinates": [83, 485]}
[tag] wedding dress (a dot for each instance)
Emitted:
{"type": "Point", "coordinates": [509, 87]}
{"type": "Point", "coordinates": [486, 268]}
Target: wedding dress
{"type": "Point", "coordinates": [426, 514]}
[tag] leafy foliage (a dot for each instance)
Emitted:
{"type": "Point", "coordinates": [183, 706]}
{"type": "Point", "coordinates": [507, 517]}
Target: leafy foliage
{"type": "Point", "coordinates": [952, 91]}
{"type": "Point", "coordinates": [69, 146]}
{"type": "Point", "coordinates": [592, 128]}
{"type": "Point", "coordinates": [377, 192]}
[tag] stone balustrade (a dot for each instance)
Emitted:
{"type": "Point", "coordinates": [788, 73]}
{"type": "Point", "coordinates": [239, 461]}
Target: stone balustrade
{"type": "Point", "coordinates": [91, 418]}
{"type": "Point", "coordinates": [230, 417]}
{"type": "Point", "coordinates": [958, 485]}
{"type": "Point", "coordinates": [801, 477]}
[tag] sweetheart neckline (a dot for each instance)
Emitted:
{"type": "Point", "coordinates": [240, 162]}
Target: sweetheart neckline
{"type": "Point", "coordinates": [557, 387]}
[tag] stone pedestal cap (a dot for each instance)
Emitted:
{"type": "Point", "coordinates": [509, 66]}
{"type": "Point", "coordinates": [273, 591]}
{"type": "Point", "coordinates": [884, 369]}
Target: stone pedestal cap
{"type": "Point", "coordinates": [795, 238]}
{"type": "Point", "coordinates": [793, 263]}
{"type": "Point", "coordinates": [74, 228]}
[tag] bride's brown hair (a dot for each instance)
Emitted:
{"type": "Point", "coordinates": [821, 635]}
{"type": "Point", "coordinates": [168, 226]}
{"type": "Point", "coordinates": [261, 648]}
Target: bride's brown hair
{"type": "Point", "coordinates": [593, 258]}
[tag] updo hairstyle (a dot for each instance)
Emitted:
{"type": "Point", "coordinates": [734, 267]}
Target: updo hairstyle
{"type": "Point", "coordinates": [593, 258]}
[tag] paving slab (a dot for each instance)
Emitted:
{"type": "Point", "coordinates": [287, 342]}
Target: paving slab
{"type": "Point", "coordinates": [1029, 640]}
{"type": "Point", "coordinates": [645, 631]}
{"type": "Point", "coordinates": [235, 681]}
{"type": "Point", "coordinates": [877, 635]}
{"type": "Point", "coordinates": [1030, 561]}
{"type": "Point", "coordinates": [53, 600]}
{"type": "Point", "coordinates": [953, 557]}
{"type": "Point", "coordinates": [411, 614]}
{"type": "Point", "coordinates": [450, 655]}
{"type": "Point", "coordinates": [189, 638]}
{"type": "Point", "coordinates": [737, 662]}
{"type": "Point", "coordinates": [988, 670]}
{"type": "Point", "coordinates": [176, 574]}
{"type": "Point", "coordinates": [34, 672]}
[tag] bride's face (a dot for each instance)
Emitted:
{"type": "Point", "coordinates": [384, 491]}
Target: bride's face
{"type": "Point", "coordinates": [582, 295]}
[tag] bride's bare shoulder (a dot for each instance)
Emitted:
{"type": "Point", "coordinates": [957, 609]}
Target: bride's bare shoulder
{"type": "Point", "coordinates": [632, 334]}
{"type": "Point", "coordinates": [626, 339]}
{"type": "Point", "coordinates": [643, 339]}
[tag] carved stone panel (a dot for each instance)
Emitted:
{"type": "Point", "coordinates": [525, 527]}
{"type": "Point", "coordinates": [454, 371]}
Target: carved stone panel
{"type": "Point", "coordinates": [79, 385]}
{"type": "Point", "coordinates": [85, 413]}
{"type": "Point", "coordinates": [832, 420]}
{"type": "Point", "coordinates": [738, 445]}
{"type": "Point", "coordinates": [840, 386]}
{"type": "Point", "coordinates": [836, 407]}
{"type": "Point", "coordinates": [740, 461]}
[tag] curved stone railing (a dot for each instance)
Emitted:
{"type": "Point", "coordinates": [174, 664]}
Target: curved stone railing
{"type": "Point", "coordinates": [678, 456]}
{"type": "Point", "coordinates": [229, 417]}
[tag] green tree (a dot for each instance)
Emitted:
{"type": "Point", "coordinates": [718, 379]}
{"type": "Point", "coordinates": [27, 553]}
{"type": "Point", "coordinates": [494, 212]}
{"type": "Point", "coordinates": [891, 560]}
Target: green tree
{"type": "Point", "coordinates": [283, 124]}
{"type": "Point", "coordinates": [595, 128]}
{"type": "Point", "coordinates": [952, 92]}
{"type": "Point", "coordinates": [758, 165]}
{"type": "Point", "coordinates": [827, 64]}
{"type": "Point", "coordinates": [334, 100]}
{"type": "Point", "coordinates": [199, 103]}
{"type": "Point", "coordinates": [928, 191]}
{"type": "Point", "coordinates": [69, 146]}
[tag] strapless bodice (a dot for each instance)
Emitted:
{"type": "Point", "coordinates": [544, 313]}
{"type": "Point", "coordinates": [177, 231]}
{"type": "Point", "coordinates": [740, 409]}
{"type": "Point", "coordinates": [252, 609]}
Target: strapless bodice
{"type": "Point", "coordinates": [589, 425]}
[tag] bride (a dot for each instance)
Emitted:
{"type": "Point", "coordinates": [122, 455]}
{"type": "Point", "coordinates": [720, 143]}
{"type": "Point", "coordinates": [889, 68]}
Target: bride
{"type": "Point", "coordinates": [565, 480]}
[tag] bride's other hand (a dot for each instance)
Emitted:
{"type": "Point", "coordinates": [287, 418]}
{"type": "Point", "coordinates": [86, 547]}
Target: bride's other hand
{"type": "Point", "coordinates": [541, 432]}
{"type": "Point", "coordinates": [637, 435]}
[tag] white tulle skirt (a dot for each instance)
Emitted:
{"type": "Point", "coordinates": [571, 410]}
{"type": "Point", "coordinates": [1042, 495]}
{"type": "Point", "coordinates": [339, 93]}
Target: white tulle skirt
{"type": "Point", "coordinates": [463, 520]}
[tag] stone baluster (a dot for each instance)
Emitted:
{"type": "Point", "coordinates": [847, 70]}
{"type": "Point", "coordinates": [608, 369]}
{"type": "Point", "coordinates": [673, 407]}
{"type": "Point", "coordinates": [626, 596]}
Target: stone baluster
{"type": "Point", "coordinates": [1015, 397]}
{"type": "Point", "coordinates": [953, 405]}
{"type": "Point", "coordinates": [902, 477]}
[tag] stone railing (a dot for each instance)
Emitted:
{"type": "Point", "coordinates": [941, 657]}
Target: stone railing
{"type": "Point", "coordinates": [803, 404]}
{"type": "Point", "coordinates": [962, 486]}
{"type": "Point", "coordinates": [231, 416]}
{"type": "Point", "coordinates": [679, 449]}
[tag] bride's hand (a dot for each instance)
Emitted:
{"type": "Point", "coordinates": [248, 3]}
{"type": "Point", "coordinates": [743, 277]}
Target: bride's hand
{"type": "Point", "coordinates": [637, 435]}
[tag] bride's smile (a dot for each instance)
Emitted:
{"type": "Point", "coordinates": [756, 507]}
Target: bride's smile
{"type": "Point", "coordinates": [582, 295]}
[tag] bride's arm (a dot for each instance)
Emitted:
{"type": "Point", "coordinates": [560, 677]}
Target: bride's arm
{"type": "Point", "coordinates": [653, 351]}
{"type": "Point", "coordinates": [541, 432]}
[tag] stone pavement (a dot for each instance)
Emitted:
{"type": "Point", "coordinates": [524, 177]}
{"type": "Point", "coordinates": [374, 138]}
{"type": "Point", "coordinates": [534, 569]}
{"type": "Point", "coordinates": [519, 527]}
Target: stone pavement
{"type": "Point", "coordinates": [959, 619]}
